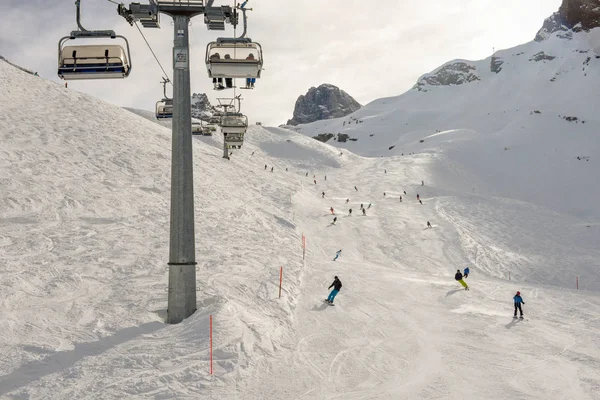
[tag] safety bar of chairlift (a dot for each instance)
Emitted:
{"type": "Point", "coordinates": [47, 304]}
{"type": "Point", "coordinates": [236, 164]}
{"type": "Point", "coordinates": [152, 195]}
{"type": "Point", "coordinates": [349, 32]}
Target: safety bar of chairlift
{"type": "Point", "coordinates": [95, 34]}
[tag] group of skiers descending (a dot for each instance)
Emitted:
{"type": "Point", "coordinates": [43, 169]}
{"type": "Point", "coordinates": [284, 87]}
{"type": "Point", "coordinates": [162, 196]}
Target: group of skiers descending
{"type": "Point", "coordinates": [459, 276]}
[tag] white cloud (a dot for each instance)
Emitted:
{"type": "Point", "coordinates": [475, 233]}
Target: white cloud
{"type": "Point", "coordinates": [369, 49]}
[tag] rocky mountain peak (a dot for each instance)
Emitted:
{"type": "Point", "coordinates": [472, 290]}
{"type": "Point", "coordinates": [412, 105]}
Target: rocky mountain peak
{"type": "Point", "coordinates": [324, 102]}
{"type": "Point", "coordinates": [201, 107]}
{"type": "Point", "coordinates": [453, 73]}
{"type": "Point", "coordinates": [573, 15]}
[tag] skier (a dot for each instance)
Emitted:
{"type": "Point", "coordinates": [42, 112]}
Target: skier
{"type": "Point", "coordinates": [420, 201]}
{"type": "Point", "coordinates": [361, 206]}
{"type": "Point", "coordinates": [518, 301]}
{"type": "Point", "coordinates": [350, 212]}
{"type": "Point", "coordinates": [286, 169]}
{"type": "Point", "coordinates": [364, 212]}
{"type": "Point", "coordinates": [459, 277]}
{"type": "Point", "coordinates": [385, 171]}
{"type": "Point", "coordinates": [383, 194]}
{"type": "Point", "coordinates": [400, 199]}
{"type": "Point", "coordinates": [405, 192]}
{"type": "Point", "coordinates": [337, 254]}
{"type": "Point", "coordinates": [466, 273]}
{"type": "Point", "coordinates": [334, 221]}
{"type": "Point", "coordinates": [272, 169]}
{"type": "Point", "coordinates": [315, 181]}
{"type": "Point", "coordinates": [252, 153]}
{"type": "Point", "coordinates": [331, 209]}
{"type": "Point", "coordinates": [322, 195]}
{"type": "Point", "coordinates": [325, 177]}
{"type": "Point", "coordinates": [355, 188]}
{"type": "Point", "coordinates": [265, 167]}
{"type": "Point", "coordinates": [429, 226]}
{"type": "Point", "coordinates": [347, 200]}
{"type": "Point", "coordinates": [369, 206]}
{"type": "Point", "coordinates": [418, 198]}
{"type": "Point", "coordinates": [337, 286]}
{"type": "Point", "coordinates": [307, 174]}
{"type": "Point", "coordinates": [422, 183]}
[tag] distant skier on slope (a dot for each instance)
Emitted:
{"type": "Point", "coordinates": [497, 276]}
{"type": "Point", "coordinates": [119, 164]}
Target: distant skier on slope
{"type": "Point", "coordinates": [337, 254]}
{"type": "Point", "coordinates": [364, 212]}
{"type": "Point", "coordinates": [429, 226]}
{"type": "Point", "coordinates": [383, 194]}
{"type": "Point", "coordinates": [518, 301]}
{"type": "Point", "coordinates": [347, 201]}
{"type": "Point", "coordinates": [350, 212]}
{"type": "Point", "coordinates": [459, 277]}
{"type": "Point", "coordinates": [466, 272]}
{"type": "Point", "coordinates": [334, 221]}
{"type": "Point", "coordinates": [322, 195]}
{"type": "Point", "coordinates": [405, 192]}
{"type": "Point", "coordinates": [355, 188]}
{"type": "Point", "coordinates": [272, 169]}
{"type": "Point", "coordinates": [369, 206]}
{"type": "Point", "coordinates": [332, 211]}
{"type": "Point", "coordinates": [418, 198]}
{"type": "Point", "coordinates": [337, 286]}
{"type": "Point", "coordinates": [400, 199]}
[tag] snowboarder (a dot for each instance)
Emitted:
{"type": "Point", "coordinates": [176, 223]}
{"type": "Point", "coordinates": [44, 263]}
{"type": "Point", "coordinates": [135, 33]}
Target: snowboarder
{"type": "Point", "coordinates": [364, 212]}
{"type": "Point", "coordinates": [429, 226]}
{"type": "Point", "coordinates": [331, 209]}
{"type": "Point", "coordinates": [337, 254]}
{"type": "Point", "coordinates": [350, 212]}
{"type": "Point", "coordinates": [322, 195]}
{"type": "Point", "coordinates": [466, 273]}
{"type": "Point", "coordinates": [334, 221]}
{"type": "Point", "coordinates": [355, 188]}
{"type": "Point", "coordinates": [518, 301]}
{"type": "Point", "coordinates": [337, 286]}
{"type": "Point", "coordinates": [459, 277]}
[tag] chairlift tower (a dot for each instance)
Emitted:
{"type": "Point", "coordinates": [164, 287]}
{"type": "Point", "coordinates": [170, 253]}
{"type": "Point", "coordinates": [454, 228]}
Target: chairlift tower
{"type": "Point", "coordinates": [182, 261]}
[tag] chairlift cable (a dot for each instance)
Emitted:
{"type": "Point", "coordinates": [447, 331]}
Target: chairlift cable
{"type": "Point", "coordinates": [152, 51]}
{"type": "Point", "coordinates": [114, 2]}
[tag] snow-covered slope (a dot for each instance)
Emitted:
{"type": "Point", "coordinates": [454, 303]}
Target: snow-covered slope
{"type": "Point", "coordinates": [84, 200]}
{"type": "Point", "coordinates": [512, 133]}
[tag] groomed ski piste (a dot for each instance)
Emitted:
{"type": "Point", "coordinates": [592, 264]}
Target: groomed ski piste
{"type": "Point", "coordinates": [84, 228]}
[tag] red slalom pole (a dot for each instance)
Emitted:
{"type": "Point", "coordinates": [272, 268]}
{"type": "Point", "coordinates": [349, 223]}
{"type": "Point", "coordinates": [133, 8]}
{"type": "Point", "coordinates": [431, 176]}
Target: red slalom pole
{"type": "Point", "coordinates": [280, 280]}
{"type": "Point", "coordinates": [211, 350]}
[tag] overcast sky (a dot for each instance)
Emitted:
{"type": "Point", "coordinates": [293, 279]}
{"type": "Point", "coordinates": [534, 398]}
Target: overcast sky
{"type": "Point", "coordinates": [370, 49]}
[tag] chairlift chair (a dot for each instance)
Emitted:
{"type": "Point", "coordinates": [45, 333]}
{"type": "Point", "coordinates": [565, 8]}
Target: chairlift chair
{"type": "Point", "coordinates": [196, 128]}
{"type": "Point", "coordinates": [164, 109]}
{"type": "Point", "coordinates": [234, 127]}
{"type": "Point", "coordinates": [234, 58]}
{"type": "Point", "coordinates": [96, 61]}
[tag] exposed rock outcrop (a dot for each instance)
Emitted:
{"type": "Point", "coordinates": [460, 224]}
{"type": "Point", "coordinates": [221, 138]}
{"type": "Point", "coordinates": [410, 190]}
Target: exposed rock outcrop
{"type": "Point", "coordinates": [201, 107]}
{"type": "Point", "coordinates": [325, 102]}
{"type": "Point", "coordinates": [572, 16]}
{"type": "Point", "coordinates": [453, 73]}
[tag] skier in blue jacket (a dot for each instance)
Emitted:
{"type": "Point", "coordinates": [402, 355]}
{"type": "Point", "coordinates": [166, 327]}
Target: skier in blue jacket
{"type": "Point", "coordinates": [466, 272]}
{"type": "Point", "coordinates": [337, 254]}
{"type": "Point", "coordinates": [337, 285]}
{"type": "Point", "coordinates": [518, 301]}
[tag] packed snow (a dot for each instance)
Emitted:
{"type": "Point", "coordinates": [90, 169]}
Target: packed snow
{"type": "Point", "coordinates": [84, 229]}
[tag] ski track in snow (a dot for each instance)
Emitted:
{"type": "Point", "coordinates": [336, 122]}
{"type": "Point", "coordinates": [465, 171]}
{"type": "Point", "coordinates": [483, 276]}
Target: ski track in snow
{"type": "Point", "coordinates": [84, 242]}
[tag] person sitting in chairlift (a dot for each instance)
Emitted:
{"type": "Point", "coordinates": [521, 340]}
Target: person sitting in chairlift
{"type": "Point", "coordinates": [248, 82]}
{"type": "Point", "coordinates": [250, 57]}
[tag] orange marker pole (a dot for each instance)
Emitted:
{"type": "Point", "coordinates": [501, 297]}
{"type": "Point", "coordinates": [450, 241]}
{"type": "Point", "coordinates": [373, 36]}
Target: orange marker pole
{"type": "Point", "coordinates": [280, 280]}
{"type": "Point", "coordinates": [211, 347]}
